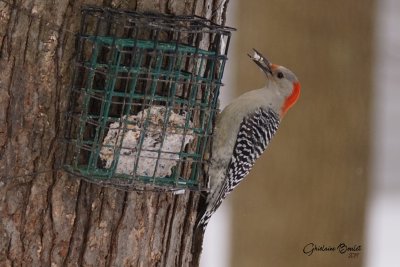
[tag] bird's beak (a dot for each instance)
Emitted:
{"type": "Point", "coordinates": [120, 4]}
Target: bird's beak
{"type": "Point", "coordinates": [261, 61]}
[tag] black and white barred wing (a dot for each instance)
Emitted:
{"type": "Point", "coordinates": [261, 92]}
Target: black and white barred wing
{"type": "Point", "coordinates": [255, 133]}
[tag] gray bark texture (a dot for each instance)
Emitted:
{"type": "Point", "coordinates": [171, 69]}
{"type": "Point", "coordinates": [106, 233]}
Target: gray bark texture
{"type": "Point", "coordinates": [48, 218]}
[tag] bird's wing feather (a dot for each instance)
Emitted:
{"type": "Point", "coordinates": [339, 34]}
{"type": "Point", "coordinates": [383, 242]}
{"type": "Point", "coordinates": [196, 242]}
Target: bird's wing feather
{"type": "Point", "coordinates": [254, 135]}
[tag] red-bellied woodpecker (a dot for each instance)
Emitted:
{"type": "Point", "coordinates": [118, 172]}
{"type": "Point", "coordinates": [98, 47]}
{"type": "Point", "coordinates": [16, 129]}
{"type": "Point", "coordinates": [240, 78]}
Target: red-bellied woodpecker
{"type": "Point", "coordinates": [244, 129]}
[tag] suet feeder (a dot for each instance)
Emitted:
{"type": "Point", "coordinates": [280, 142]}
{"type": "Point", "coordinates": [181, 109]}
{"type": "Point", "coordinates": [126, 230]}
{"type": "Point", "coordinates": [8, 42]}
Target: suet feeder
{"type": "Point", "coordinates": [143, 98]}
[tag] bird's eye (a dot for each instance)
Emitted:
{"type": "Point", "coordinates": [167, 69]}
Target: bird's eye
{"type": "Point", "coordinates": [279, 75]}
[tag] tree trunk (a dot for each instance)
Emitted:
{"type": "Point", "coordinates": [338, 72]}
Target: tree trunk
{"type": "Point", "coordinates": [49, 218]}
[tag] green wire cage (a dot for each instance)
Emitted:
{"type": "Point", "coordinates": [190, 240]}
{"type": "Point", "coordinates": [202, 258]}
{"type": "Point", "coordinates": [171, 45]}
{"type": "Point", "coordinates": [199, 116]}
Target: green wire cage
{"type": "Point", "coordinates": [143, 99]}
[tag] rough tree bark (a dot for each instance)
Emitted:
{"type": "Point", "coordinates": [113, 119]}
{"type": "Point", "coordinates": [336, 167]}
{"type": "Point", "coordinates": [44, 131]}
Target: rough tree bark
{"type": "Point", "coordinates": [47, 217]}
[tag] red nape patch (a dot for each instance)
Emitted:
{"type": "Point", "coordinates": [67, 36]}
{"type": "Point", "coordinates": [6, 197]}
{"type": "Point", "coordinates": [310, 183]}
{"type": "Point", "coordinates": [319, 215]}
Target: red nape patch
{"type": "Point", "coordinates": [291, 100]}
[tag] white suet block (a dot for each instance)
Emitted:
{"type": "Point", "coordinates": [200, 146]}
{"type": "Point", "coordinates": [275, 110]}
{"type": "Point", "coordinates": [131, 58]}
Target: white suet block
{"type": "Point", "coordinates": [128, 131]}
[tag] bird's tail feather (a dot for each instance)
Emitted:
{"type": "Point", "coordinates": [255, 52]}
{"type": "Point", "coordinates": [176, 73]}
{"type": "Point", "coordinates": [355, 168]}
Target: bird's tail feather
{"type": "Point", "coordinates": [211, 208]}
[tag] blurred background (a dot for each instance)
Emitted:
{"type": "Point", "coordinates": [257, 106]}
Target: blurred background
{"type": "Point", "coordinates": [331, 174]}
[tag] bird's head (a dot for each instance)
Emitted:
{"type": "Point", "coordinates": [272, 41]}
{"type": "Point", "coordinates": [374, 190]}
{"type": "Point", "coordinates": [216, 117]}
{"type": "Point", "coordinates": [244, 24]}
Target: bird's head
{"type": "Point", "coordinates": [280, 79]}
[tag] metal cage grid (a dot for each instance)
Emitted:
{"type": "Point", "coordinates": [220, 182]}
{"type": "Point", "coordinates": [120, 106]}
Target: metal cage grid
{"type": "Point", "coordinates": [143, 98]}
